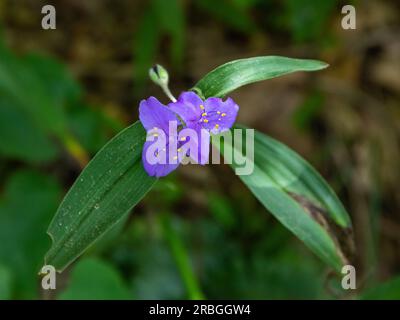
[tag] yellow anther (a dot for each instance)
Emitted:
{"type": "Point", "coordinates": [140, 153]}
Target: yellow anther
{"type": "Point", "coordinates": [205, 120]}
{"type": "Point", "coordinates": [218, 112]}
{"type": "Point", "coordinates": [223, 115]}
{"type": "Point", "coordinates": [201, 107]}
{"type": "Point", "coordinates": [179, 149]}
{"type": "Point", "coordinates": [183, 139]}
{"type": "Point", "coordinates": [204, 114]}
{"type": "Point", "coordinates": [155, 134]}
{"type": "Point", "coordinates": [216, 126]}
{"type": "Point", "coordinates": [175, 157]}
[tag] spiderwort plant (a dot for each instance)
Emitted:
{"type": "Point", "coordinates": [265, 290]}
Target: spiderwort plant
{"type": "Point", "coordinates": [127, 167]}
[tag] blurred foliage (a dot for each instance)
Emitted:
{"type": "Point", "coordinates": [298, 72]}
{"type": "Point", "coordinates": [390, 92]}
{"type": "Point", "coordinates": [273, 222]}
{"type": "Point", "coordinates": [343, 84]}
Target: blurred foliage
{"type": "Point", "coordinates": [50, 123]}
{"type": "Point", "coordinates": [307, 20]}
{"type": "Point", "coordinates": [40, 95]}
{"type": "Point", "coordinates": [389, 290]}
{"type": "Point", "coordinates": [235, 14]}
{"type": "Point", "coordinates": [308, 111]}
{"type": "Point", "coordinates": [23, 225]}
{"type": "Point", "coordinates": [95, 279]}
{"type": "Point", "coordinates": [156, 23]}
{"type": "Point", "coordinates": [5, 283]}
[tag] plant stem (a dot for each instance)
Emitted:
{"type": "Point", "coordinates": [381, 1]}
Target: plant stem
{"type": "Point", "coordinates": [166, 90]}
{"type": "Point", "coordinates": [181, 258]}
{"type": "Point", "coordinates": [75, 149]}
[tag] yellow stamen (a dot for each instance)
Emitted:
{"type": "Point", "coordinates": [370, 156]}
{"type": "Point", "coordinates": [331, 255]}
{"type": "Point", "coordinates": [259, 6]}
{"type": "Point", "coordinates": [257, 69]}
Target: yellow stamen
{"type": "Point", "coordinates": [218, 112]}
{"type": "Point", "coordinates": [205, 120]}
{"type": "Point", "coordinates": [223, 115]}
{"type": "Point", "coordinates": [155, 134]}
{"type": "Point", "coordinates": [216, 126]}
{"type": "Point", "coordinates": [176, 157]}
{"type": "Point", "coordinates": [179, 149]}
{"type": "Point", "coordinates": [204, 114]}
{"type": "Point", "coordinates": [201, 107]}
{"type": "Point", "coordinates": [183, 138]}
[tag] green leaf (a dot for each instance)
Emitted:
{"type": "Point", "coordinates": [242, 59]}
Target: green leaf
{"type": "Point", "coordinates": [389, 290]}
{"type": "Point", "coordinates": [156, 275]}
{"type": "Point", "coordinates": [26, 206]}
{"type": "Point", "coordinates": [5, 283]}
{"type": "Point", "coordinates": [174, 28]}
{"type": "Point", "coordinates": [90, 126]}
{"type": "Point", "coordinates": [282, 181]}
{"type": "Point", "coordinates": [235, 74]}
{"type": "Point", "coordinates": [231, 13]}
{"type": "Point", "coordinates": [108, 188]}
{"type": "Point", "coordinates": [35, 92]}
{"type": "Point", "coordinates": [181, 257]}
{"type": "Point", "coordinates": [93, 279]}
{"type": "Point", "coordinates": [21, 138]}
{"type": "Point", "coordinates": [307, 20]}
{"type": "Point", "coordinates": [58, 81]}
{"type": "Point", "coordinates": [155, 23]}
{"type": "Point", "coordinates": [20, 82]}
{"type": "Point", "coordinates": [145, 47]}
{"type": "Point", "coordinates": [298, 197]}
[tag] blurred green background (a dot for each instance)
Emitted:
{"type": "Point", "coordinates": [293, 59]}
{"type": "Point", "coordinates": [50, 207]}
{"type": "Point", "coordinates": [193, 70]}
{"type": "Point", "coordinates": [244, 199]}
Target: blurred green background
{"type": "Point", "coordinates": [199, 232]}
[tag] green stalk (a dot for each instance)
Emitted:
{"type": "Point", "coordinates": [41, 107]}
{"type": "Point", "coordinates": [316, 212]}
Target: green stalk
{"type": "Point", "coordinates": [181, 258]}
{"type": "Point", "coordinates": [75, 149]}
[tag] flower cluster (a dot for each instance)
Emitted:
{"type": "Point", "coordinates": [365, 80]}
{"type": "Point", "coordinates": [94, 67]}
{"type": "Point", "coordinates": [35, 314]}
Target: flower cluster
{"type": "Point", "coordinates": [182, 129]}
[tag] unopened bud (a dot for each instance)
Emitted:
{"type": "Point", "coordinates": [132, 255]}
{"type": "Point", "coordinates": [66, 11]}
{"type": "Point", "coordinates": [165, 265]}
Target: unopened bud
{"type": "Point", "coordinates": [159, 75]}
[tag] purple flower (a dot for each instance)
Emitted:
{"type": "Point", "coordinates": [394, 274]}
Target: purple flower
{"type": "Point", "coordinates": [156, 119]}
{"type": "Point", "coordinates": [213, 114]}
{"type": "Point", "coordinates": [165, 147]}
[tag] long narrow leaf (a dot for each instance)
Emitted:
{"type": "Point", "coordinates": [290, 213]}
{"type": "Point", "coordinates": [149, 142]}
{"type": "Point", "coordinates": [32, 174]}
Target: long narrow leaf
{"type": "Point", "coordinates": [110, 186]}
{"type": "Point", "coordinates": [237, 73]}
{"type": "Point", "coordinates": [298, 197]}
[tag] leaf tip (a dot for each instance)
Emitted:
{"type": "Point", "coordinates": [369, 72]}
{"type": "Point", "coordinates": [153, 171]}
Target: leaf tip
{"type": "Point", "coordinates": [323, 65]}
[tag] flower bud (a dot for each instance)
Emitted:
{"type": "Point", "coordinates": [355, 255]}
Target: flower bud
{"type": "Point", "coordinates": [159, 75]}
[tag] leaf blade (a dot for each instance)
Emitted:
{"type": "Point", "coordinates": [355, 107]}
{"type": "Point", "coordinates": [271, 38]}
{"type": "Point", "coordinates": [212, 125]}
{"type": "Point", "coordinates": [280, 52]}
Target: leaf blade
{"type": "Point", "coordinates": [237, 73]}
{"type": "Point", "coordinates": [109, 187]}
{"type": "Point", "coordinates": [288, 187]}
